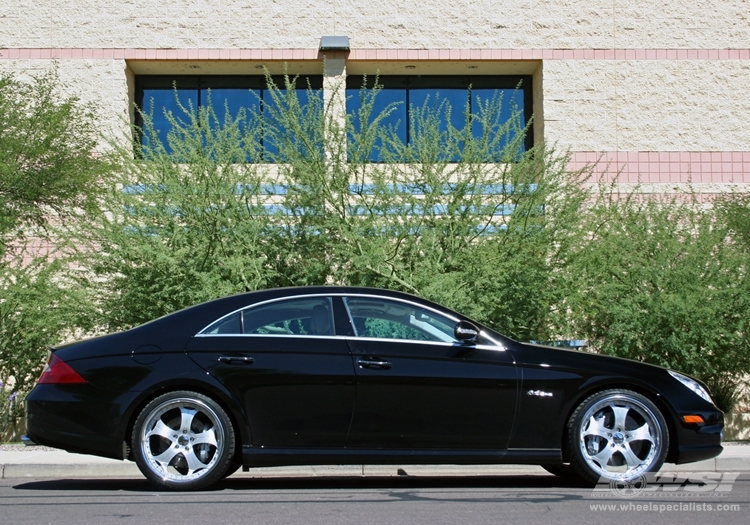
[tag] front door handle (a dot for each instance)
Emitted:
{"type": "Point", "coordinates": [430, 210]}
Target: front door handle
{"type": "Point", "coordinates": [382, 365]}
{"type": "Point", "coordinates": [232, 360]}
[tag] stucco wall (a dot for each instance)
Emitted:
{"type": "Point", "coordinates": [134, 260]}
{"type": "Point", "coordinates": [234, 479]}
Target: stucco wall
{"type": "Point", "coordinates": [628, 79]}
{"type": "Point", "coordinates": [507, 24]}
{"type": "Point", "coordinates": [101, 83]}
{"type": "Point", "coordinates": [648, 105]}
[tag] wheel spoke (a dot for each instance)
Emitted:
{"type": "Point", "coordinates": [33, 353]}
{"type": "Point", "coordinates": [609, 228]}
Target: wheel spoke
{"type": "Point", "coordinates": [603, 456]}
{"type": "Point", "coordinates": [631, 459]}
{"type": "Point", "coordinates": [642, 433]}
{"type": "Point", "coordinates": [621, 413]}
{"type": "Point", "coordinates": [595, 428]}
{"type": "Point", "coordinates": [187, 418]}
{"type": "Point", "coordinates": [166, 457]}
{"type": "Point", "coordinates": [192, 460]}
{"type": "Point", "coordinates": [161, 430]}
{"type": "Point", "coordinates": [209, 437]}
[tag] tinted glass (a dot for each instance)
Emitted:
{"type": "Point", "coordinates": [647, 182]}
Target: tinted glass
{"type": "Point", "coordinates": [226, 325]}
{"type": "Point", "coordinates": [303, 316]}
{"type": "Point", "coordinates": [385, 319]}
{"type": "Point", "coordinates": [451, 94]}
{"type": "Point", "coordinates": [157, 96]}
{"type": "Point", "coordinates": [396, 121]}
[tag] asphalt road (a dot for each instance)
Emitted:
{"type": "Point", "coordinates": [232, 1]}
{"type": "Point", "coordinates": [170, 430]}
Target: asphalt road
{"type": "Point", "coordinates": [525, 499]}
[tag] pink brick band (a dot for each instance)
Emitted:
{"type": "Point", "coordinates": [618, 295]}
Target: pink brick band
{"type": "Point", "coordinates": [375, 54]}
{"type": "Point", "coordinates": [669, 166]}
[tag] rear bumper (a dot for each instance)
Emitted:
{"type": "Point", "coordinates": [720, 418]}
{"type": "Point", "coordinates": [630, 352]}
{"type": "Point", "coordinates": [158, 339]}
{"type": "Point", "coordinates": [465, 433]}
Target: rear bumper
{"type": "Point", "coordinates": [56, 417]}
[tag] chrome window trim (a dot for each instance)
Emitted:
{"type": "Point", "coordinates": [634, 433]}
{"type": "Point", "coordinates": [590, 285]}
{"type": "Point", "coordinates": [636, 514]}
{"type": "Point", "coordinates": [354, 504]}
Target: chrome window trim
{"type": "Point", "coordinates": [496, 345]}
{"type": "Point", "coordinates": [420, 306]}
{"type": "Point", "coordinates": [255, 305]}
{"type": "Point", "coordinates": [301, 296]}
{"type": "Point", "coordinates": [400, 341]}
{"type": "Point", "coordinates": [287, 336]}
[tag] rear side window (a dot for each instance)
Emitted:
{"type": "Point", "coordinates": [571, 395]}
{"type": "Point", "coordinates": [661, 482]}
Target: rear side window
{"type": "Point", "coordinates": [227, 325]}
{"type": "Point", "coordinates": [299, 316]}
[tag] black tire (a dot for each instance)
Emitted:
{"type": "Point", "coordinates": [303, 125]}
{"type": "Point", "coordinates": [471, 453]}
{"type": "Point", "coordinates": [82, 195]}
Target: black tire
{"type": "Point", "coordinates": [564, 470]}
{"type": "Point", "coordinates": [234, 465]}
{"type": "Point", "coordinates": [183, 441]}
{"type": "Point", "coordinates": [616, 435]}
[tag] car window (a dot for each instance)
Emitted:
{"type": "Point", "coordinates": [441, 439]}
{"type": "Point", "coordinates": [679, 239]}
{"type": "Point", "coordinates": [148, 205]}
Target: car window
{"type": "Point", "coordinates": [299, 316]}
{"type": "Point", "coordinates": [226, 325]}
{"type": "Point", "coordinates": [387, 319]}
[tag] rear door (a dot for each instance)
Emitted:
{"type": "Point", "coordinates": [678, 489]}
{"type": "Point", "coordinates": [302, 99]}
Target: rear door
{"type": "Point", "coordinates": [419, 387]}
{"type": "Point", "coordinates": [282, 361]}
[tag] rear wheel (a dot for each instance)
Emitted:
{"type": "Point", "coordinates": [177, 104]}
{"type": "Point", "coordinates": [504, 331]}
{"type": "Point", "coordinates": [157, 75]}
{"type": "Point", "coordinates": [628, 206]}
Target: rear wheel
{"type": "Point", "coordinates": [183, 441]}
{"type": "Point", "coordinates": [617, 435]}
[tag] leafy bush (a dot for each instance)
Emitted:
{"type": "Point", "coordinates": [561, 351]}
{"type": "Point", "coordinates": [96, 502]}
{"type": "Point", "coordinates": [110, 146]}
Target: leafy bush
{"type": "Point", "coordinates": [664, 282]}
{"type": "Point", "coordinates": [47, 161]}
{"type": "Point", "coordinates": [49, 178]}
{"type": "Point", "coordinates": [196, 222]}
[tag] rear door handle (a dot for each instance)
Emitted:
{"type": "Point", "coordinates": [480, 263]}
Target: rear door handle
{"type": "Point", "coordinates": [233, 360]}
{"type": "Point", "coordinates": [382, 365]}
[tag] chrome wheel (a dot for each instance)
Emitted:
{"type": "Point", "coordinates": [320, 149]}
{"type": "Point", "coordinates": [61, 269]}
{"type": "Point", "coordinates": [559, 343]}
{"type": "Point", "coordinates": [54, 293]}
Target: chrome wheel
{"type": "Point", "coordinates": [183, 440]}
{"type": "Point", "coordinates": [617, 435]}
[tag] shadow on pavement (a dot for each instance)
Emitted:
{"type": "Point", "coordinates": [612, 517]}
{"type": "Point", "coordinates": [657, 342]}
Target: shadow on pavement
{"type": "Point", "coordinates": [350, 483]}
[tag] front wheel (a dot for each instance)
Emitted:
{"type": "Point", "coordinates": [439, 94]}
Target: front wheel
{"type": "Point", "coordinates": [617, 435]}
{"type": "Point", "coordinates": [183, 441]}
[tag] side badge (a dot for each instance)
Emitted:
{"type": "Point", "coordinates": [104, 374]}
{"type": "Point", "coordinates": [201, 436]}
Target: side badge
{"type": "Point", "coordinates": [539, 393]}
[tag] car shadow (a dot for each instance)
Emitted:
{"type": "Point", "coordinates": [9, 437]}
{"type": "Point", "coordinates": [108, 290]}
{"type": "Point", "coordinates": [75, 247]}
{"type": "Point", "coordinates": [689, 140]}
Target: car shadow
{"type": "Point", "coordinates": [245, 483]}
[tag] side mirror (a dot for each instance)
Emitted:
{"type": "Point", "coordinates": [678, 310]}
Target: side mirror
{"type": "Point", "coordinates": [466, 332]}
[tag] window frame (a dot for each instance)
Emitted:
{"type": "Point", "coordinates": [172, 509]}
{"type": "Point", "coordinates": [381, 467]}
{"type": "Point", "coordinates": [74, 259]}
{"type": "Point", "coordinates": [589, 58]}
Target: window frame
{"type": "Point", "coordinates": [523, 83]}
{"type": "Point", "coordinates": [436, 313]}
{"type": "Point", "coordinates": [241, 312]}
{"type": "Point", "coordinates": [201, 83]}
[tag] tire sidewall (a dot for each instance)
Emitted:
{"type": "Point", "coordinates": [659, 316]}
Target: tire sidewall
{"type": "Point", "coordinates": [576, 424]}
{"type": "Point", "coordinates": [217, 468]}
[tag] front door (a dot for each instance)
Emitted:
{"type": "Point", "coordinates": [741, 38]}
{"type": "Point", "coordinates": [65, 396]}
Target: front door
{"type": "Point", "coordinates": [418, 387]}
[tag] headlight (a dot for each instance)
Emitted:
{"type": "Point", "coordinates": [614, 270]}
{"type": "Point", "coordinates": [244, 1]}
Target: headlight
{"type": "Point", "coordinates": [692, 385]}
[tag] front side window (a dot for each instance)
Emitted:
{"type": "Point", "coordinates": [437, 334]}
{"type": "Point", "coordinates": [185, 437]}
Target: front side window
{"type": "Point", "coordinates": [305, 316]}
{"type": "Point", "coordinates": [387, 319]}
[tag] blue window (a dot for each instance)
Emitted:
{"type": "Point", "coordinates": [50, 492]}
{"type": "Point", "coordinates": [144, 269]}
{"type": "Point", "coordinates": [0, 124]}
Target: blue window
{"type": "Point", "coordinates": [158, 95]}
{"type": "Point", "coordinates": [411, 98]}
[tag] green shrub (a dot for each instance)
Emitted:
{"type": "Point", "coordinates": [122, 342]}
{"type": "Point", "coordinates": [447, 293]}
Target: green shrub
{"type": "Point", "coordinates": [664, 282]}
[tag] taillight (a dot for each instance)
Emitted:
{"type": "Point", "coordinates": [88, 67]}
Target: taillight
{"type": "Point", "coordinates": [58, 372]}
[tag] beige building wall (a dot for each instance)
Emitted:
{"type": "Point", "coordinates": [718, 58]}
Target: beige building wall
{"type": "Point", "coordinates": [391, 24]}
{"type": "Point", "coordinates": [658, 89]}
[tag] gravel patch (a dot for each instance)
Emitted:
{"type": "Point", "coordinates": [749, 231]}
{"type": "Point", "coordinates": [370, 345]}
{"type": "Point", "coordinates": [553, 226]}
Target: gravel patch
{"type": "Point", "coordinates": [20, 447]}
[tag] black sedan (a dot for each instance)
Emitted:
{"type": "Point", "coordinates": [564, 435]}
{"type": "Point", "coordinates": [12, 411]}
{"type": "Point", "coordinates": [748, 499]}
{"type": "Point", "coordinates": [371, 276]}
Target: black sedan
{"type": "Point", "coordinates": [338, 375]}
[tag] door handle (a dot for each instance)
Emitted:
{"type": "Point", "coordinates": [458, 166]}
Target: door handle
{"type": "Point", "coordinates": [230, 360]}
{"type": "Point", "coordinates": [382, 365]}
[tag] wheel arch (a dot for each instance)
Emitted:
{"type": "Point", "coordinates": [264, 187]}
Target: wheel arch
{"type": "Point", "coordinates": [234, 413]}
{"type": "Point", "coordinates": [651, 395]}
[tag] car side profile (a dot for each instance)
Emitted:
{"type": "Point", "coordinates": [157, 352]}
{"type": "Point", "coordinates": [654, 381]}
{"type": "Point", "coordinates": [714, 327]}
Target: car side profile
{"type": "Point", "coordinates": [344, 375]}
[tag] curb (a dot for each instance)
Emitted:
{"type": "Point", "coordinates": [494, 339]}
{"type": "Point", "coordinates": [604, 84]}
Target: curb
{"type": "Point", "coordinates": [126, 469]}
{"type": "Point", "coordinates": [91, 470]}
{"type": "Point", "coordinates": [19, 462]}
